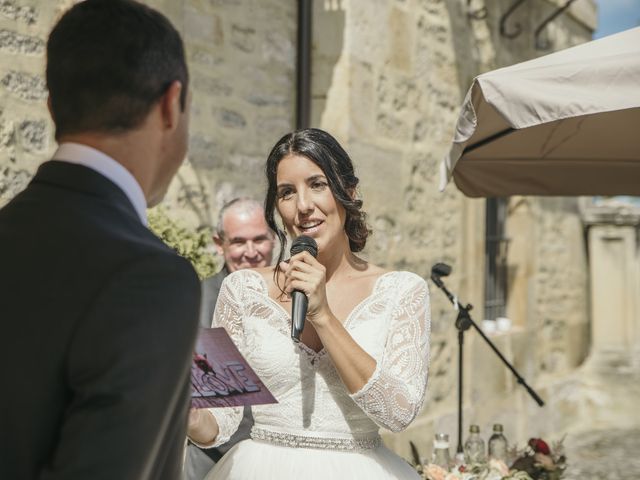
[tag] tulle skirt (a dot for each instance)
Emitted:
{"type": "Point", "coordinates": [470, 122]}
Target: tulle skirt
{"type": "Point", "coordinates": [251, 459]}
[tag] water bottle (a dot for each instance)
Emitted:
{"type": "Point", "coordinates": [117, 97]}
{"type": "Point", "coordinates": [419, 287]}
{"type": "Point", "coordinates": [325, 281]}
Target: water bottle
{"type": "Point", "coordinates": [498, 444]}
{"type": "Point", "coordinates": [440, 455]}
{"type": "Point", "coordinates": [474, 446]}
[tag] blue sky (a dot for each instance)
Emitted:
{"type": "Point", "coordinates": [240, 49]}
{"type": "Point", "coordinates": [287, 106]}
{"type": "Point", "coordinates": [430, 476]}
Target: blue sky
{"type": "Point", "coordinates": [616, 15]}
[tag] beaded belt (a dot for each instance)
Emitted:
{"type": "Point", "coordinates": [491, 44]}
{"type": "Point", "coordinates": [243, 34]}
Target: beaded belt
{"type": "Point", "coordinates": [296, 440]}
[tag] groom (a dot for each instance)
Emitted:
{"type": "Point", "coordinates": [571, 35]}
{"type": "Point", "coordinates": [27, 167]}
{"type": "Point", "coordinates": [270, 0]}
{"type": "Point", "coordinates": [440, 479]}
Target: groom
{"type": "Point", "coordinates": [97, 316]}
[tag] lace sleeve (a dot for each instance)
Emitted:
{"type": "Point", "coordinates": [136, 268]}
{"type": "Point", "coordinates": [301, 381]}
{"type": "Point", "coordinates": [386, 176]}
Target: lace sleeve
{"type": "Point", "coordinates": [394, 394]}
{"type": "Point", "coordinates": [228, 314]}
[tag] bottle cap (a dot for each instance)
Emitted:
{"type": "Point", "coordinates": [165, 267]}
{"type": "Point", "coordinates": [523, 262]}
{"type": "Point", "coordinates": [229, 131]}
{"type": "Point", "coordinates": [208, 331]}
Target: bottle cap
{"type": "Point", "coordinates": [497, 427]}
{"type": "Point", "coordinates": [441, 440]}
{"type": "Point", "coordinates": [474, 429]}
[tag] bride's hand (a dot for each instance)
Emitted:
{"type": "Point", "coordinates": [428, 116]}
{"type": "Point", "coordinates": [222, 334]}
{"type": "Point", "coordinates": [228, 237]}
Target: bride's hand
{"type": "Point", "coordinates": [304, 273]}
{"type": "Point", "coordinates": [202, 426]}
{"type": "Point", "coordinates": [195, 419]}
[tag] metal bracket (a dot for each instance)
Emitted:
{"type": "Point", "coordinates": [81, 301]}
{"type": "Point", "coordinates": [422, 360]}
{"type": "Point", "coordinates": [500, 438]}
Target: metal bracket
{"type": "Point", "coordinates": [478, 14]}
{"type": "Point", "coordinates": [503, 21]}
{"type": "Point", "coordinates": [545, 44]}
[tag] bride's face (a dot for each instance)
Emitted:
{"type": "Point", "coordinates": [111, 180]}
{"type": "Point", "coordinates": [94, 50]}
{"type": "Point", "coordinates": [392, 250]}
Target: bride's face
{"type": "Point", "coordinates": [306, 203]}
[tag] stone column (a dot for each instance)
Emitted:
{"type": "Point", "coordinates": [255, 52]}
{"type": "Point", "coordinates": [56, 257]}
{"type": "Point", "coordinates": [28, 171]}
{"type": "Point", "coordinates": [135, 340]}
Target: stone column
{"type": "Point", "coordinates": [614, 236]}
{"type": "Point", "coordinates": [603, 394]}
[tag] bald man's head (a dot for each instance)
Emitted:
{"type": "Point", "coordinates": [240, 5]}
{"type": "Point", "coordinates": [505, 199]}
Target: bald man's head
{"type": "Point", "coordinates": [243, 237]}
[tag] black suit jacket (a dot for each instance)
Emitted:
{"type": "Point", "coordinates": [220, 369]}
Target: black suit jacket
{"type": "Point", "coordinates": [98, 320]}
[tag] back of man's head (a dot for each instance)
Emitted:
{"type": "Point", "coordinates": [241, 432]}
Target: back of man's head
{"type": "Point", "coordinates": [108, 62]}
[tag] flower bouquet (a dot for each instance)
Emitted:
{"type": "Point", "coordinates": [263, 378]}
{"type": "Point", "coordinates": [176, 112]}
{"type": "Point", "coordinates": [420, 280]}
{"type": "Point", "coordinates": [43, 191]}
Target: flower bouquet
{"type": "Point", "coordinates": [540, 461]}
{"type": "Point", "coordinates": [491, 470]}
{"type": "Point", "coordinates": [535, 462]}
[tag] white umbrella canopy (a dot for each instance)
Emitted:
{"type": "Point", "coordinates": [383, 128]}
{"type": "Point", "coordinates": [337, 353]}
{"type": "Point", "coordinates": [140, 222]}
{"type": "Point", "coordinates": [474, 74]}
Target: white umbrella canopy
{"type": "Point", "coordinates": [567, 123]}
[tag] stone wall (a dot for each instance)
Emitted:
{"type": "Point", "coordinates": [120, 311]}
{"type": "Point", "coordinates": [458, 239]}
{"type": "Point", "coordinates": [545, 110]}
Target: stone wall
{"type": "Point", "coordinates": [241, 56]}
{"type": "Point", "coordinates": [25, 129]}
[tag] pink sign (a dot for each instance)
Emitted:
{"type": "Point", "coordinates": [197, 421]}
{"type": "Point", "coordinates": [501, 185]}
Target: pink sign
{"type": "Point", "coordinates": [221, 377]}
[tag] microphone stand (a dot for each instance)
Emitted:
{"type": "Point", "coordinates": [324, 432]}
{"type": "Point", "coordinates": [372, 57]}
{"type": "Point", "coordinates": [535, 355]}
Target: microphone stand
{"type": "Point", "coordinates": [463, 323]}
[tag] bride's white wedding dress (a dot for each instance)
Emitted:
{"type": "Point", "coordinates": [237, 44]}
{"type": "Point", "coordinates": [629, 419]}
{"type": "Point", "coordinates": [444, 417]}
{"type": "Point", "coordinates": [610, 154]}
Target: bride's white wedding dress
{"type": "Point", "coordinates": [317, 430]}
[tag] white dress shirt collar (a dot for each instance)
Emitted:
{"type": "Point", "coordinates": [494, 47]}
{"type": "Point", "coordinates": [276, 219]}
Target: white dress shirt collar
{"type": "Point", "coordinates": [106, 166]}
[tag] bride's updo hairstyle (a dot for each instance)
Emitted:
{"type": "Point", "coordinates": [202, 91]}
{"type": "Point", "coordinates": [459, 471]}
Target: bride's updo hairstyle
{"type": "Point", "coordinates": [325, 151]}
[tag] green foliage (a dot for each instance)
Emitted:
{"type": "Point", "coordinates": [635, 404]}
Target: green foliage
{"type": "Point", "coordinates": [188, 243]}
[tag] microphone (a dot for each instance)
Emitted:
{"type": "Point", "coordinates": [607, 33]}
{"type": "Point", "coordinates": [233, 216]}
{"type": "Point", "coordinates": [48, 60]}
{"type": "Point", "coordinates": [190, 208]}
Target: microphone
{"type": "Point", "coordinates": [299, 300]}
{"type": "Point", "coordinates": [439, 270]}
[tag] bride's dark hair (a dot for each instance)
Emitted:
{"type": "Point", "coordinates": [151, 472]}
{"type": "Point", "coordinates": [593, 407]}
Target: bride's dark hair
{"type": "Point", "coordinates": [325, 151]}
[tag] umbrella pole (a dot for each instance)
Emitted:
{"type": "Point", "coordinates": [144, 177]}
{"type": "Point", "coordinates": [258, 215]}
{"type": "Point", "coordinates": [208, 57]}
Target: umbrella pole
{"type": "Point", "coordinates": [464, 322]}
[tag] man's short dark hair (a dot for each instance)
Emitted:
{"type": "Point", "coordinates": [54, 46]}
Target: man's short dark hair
{"type": "Point", "coordinates": [108, 62]}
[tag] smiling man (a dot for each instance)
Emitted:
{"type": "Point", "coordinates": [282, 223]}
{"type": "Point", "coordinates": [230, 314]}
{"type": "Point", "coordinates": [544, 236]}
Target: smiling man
{"type": "Point", "coordinates": [244, 240]}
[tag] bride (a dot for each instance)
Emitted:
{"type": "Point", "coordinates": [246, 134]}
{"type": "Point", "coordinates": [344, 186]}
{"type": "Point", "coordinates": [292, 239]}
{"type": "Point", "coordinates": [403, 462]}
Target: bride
{"type": "Point", "coordinates": [362, 360]}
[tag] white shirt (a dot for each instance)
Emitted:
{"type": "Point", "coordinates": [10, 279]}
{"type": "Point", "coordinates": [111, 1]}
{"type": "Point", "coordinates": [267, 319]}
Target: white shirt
{"type": "Point", "coordinates": [107, 167]}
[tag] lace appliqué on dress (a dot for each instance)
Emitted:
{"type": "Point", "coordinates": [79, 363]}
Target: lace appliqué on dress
{"type": "Point", "coordinates": [394, 394]}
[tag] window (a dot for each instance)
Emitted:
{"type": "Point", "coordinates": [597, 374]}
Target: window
{"type": "Point", "coordinates": [496, 243]}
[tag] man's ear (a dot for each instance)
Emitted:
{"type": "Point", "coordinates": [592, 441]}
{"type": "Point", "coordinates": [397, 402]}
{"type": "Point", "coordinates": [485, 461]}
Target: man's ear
{"type": "Point", "coordinates": [50, 108]}
{"type": "Point", "coordinates": [170, 105]}
{"type": "Point", "coordinates": [218, 242]}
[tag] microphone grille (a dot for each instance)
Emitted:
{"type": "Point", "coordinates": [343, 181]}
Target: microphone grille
{"type": "Point", "coordinates": [304, 243]}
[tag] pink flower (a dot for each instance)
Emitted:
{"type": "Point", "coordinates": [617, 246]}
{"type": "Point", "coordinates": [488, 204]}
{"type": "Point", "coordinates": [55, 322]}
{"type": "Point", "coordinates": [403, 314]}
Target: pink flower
{"type": "Point", "coordinates": [435, 472]}
{"type": "Point", "coordinates": [499, 466]}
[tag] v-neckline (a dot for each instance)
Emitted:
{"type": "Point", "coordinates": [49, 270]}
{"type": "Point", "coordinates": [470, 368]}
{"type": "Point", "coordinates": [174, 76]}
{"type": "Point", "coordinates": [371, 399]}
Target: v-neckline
{"type": "Point", "coordinates": [287, 315]}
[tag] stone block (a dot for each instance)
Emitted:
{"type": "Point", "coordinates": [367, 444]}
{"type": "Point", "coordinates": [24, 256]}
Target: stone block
{"type": "Point", "coordinates": [192, 196]}
{"type": "Point", "coordinates": [7, 134]}
{"type": "Point", "coordinates": [262, 100]}
{"type": "Point", "coordinates": [377, 168]}
{"type": "Point", "coordinates": [16, 43]}
{"type": "Point", "coordinates": [226, 3]}
{"type": "Point", "coordinates": [432, 7]}
{"type": "Point", "coordinates": [362, 98]}
{"type": "Point", "coordinates": [250, 165]}
{"type": "Point", "coordinates": [364, 25]}
{"type": "Point", "coordinates": [243, 38]}
{"type": "Point", "coordinates": [397, 92]}
{"type": "Point", "coordinates": [212, 86]}
{"type": "Point", "coordinates": [231, 119]}
{"type": "Point", "coordinates": [443, 363]}
{"type": "Point", "coordinates": [34, 135]}
{"type": "Point", "coordinates": [420, 130]}
{"type": "Point", "coordinates": [278, 48]}
{"type": "Point", "coordinates": [22, 13]}
{"type": "Point", "coordinates": [12, 181]}
{"type": "Point", "coordinates": [203, 57]}
{"type": "Point", "coordinates": [399, 53]}
{"type": "Point", "coordinates": [25, 86]}
{"type": "Point", "coordinates": [577, 344]}
{"type": "Point", "coordinates": [204, 152]}
{"type": "Point", "coordinates": [203, 28]}
{"type": "Point", "coordinates": [269, 129]}
{"type": "Point", "coordinates": [392, 127]}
